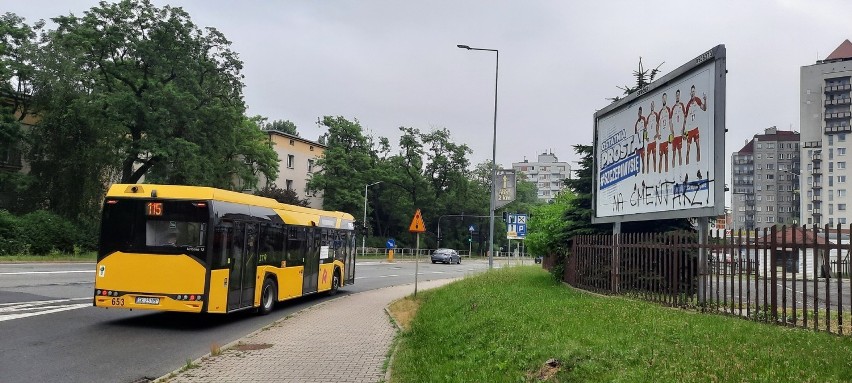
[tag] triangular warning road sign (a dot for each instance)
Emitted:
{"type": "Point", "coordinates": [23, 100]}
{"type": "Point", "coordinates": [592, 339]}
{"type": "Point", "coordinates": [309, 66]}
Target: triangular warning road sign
{"type": "Point", "coordinates": [417, 225]}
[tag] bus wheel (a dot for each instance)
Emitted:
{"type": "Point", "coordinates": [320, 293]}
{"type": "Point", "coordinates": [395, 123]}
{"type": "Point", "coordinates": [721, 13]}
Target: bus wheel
{"type": "Point", "coordinates": [267, 297]}
{"type": "Point", "coordinates": [335, 283]}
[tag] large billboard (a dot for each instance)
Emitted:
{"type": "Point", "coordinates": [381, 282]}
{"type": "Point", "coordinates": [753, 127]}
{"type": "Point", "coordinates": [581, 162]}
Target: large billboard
{"type": "Point", "coordinates": [659, 153]}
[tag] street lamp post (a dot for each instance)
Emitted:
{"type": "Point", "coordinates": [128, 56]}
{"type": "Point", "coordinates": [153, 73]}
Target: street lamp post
{"type": "Point", "coordinates": [364, 223]}
{"type": "Point", "coordinates": [493, 156]}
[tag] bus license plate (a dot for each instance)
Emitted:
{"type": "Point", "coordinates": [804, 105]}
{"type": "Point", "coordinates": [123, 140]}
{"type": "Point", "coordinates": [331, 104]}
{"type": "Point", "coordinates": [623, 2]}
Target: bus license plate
{"type": "Point", "coordinates": [147, 301]}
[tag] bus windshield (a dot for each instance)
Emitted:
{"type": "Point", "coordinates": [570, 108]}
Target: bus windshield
{"type": "Point", "coordinates": [158, 227]}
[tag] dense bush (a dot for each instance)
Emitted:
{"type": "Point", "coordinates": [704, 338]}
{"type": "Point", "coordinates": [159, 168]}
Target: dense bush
{"type": "Point", "coordinates": [11, 236]}
{"type": "Point", "coordinates": [44, 232]}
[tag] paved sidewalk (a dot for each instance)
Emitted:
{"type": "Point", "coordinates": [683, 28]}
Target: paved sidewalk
{"type": "Point", "coordinates": [340, 340]}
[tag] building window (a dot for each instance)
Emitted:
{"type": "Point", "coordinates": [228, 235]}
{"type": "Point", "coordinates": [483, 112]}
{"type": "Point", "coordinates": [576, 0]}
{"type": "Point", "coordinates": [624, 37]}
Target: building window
{"type": "Point", "coordinates": [841, 192]}
{"type": "Point", "coordinates": [290, 160]}
{"type": "Point", "coordinates": [289, 184]}
{"type": "Point", "coordinates": [841, 179]}
{"type": "Point", "coordinates": [292, 142]}
{"type": "Point", "coordinates": [841, 221]}
{"type": "Point", "coordinates": [841, 151]}
{"type": "Point", "coordinates": [312, 148]}
{"type": "Point", "coordinates": [841, 207]}
{"type": "Point", "coordinates": [841, 137]}
{"type": "Point", "coordinates": [841, 165]}
{"type": "Point", "coordinates": [310, 166]}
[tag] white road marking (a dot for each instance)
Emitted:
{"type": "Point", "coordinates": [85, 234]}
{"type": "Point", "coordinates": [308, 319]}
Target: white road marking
{"type": "Point", "coordinates": [51, 311]}
{"type": "Point", "coordinates": [48, 272]}
{"type": "Point", "coordinates": [7, 307]}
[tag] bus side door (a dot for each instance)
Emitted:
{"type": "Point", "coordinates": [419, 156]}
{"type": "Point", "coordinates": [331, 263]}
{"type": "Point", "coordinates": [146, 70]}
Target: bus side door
{"type": "Point", "coordinates": [311, 270]}
{"type": "Point", "coordinates": [243, 261]}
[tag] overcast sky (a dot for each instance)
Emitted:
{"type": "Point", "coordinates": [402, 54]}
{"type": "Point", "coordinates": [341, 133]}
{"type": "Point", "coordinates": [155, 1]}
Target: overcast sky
{"type": "Point", "coordinates": [393, 63]}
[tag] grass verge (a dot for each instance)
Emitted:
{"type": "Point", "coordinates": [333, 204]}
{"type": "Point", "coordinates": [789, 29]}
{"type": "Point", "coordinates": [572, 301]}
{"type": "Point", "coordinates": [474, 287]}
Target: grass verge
{"type": "Point", "coordinates": [504, 326]}
{"type": "Point", "coordinates": [90, 256]}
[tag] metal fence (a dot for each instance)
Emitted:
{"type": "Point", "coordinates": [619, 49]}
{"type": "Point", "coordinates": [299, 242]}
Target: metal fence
{"type": "Point", "coordinates": [794, 276]}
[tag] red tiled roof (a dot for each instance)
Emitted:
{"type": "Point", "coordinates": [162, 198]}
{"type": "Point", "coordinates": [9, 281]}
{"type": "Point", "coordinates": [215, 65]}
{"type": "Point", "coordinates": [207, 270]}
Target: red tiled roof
{"type": "Point", "coordinates": [795, 235]}
{"type": "Point", "coordinates": [844, 51]}
{"type": "Point", "coordinates": [748, 148]}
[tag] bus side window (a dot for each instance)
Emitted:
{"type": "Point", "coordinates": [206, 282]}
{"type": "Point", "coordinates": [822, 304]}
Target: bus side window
{"type": "Point", "coordinates": [222, 240]}
{"type": "Point", "coordinates": [295, 246]}
{"type": "Point", "coordinates": [271, 245]}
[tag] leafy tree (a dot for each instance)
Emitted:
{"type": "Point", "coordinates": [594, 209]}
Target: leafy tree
{"type": "Point", "coordinates": [145, 81]}
{"type": "Point", "coordinates": [16, 71]}
{"type": "Point", "coordinates": [283, 126]}
{"type": "Point", "coordinates": [345, 167]}
{"type": "Point", "coordinates": [546, 226]}
{"type": "Point", "coordinates": [287, 196]}
{"type": "Point", "coordinates": [140, 91]}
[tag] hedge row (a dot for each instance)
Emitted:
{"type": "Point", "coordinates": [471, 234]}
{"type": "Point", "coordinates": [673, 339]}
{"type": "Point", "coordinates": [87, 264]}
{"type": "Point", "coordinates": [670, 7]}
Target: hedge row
{"type": "Point", "coordinates": [42, 232]}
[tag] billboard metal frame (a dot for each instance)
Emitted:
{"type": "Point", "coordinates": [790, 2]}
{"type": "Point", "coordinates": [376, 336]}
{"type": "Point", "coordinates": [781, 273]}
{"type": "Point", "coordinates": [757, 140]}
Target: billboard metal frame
{"type": "Point", "coordinates": [716, 57]}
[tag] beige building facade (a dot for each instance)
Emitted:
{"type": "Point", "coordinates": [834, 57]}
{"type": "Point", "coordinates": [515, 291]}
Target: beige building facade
{"type": "Point", "coordinates": [298, 158]}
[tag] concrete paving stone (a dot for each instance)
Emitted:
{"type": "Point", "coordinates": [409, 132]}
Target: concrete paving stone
{"type": "Point", "coordinates": [357, 345]}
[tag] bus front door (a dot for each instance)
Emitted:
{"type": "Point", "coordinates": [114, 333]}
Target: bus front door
{"type": "Point", "coordinates": [243, 261]}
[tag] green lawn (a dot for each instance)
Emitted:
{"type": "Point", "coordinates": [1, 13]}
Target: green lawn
{"type": "Point", "coordinates": [53, 257]}
{"type": "Point", "coordinates": [503, 325]}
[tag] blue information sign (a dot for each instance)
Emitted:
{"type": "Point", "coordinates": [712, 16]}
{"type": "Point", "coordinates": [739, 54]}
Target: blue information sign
{"type": "Point", "coordinates": [517, 226]}
{"type": "Point", "coordinates": [391, 243]}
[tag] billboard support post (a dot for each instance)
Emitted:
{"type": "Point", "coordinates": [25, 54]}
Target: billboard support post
{"type": "Point", "coordinates": [703, 231]}
{"type": "Point", "coordinates": [616, 256]}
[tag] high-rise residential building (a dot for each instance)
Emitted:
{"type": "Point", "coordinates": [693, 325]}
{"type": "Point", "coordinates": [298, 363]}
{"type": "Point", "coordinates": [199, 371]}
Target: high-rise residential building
{"type": "Point", "coordinates": [765, 181]}
{"type": "Point", "coordinates": [825, 122]}
{"type": "Point", "coordinates": [547, 173]}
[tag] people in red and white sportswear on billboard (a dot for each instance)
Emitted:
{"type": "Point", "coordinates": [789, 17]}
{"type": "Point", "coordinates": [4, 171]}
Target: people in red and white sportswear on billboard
{"type": "Point", "coordinates": [664, 123]}
{"type": "Point", "coordinates": [640, 129]}
{"type": "Point", "coordinates": [692, 135]}
{"type": "Point", "coordinates": [678, 129]}
{"type": "Point", "coordinates": [653, 126]}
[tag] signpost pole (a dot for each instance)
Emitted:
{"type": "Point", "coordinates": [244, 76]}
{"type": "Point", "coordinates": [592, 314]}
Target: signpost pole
{"type": "Point", "coordinates": [416, 264]}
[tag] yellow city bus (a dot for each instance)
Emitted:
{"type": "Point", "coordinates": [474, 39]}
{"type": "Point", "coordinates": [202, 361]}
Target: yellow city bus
{"type": "Point", "coordinates": [199, 249]}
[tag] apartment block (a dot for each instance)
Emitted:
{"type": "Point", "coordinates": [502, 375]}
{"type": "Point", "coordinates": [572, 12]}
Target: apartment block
{"type": "Point", "coordinates": [765, 181]}
{"type": "Point", "coordinates": [547, 173]}
{"type": "Point", "coordinates": [825, 122]}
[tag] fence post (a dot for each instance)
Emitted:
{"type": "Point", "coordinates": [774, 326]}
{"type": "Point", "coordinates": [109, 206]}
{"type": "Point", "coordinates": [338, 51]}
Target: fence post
{"type": "Point", "coordinates": [616, 256]}
{"type": "Point", "coordinates": [773, 269]}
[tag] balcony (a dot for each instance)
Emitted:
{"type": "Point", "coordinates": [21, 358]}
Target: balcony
{"type": "Point", "coordinates": [838, 129]}
{"type": "Point", "coordinates": [838, 88]}
{"type": "Point", "coordinates": [817, 170]}
{"type": "Point", "coordinates": [817, 157]}
{"type": "Point", "coordinates": [838, 115]}
{"type": "Point", "coordinates": [817, 185]}
{"type": "Point", "coordinates": [839, 101]}
{"type": "Point", "coordinates": [812, 144]}
{"type": "Point", "coordinates": [817, 212]}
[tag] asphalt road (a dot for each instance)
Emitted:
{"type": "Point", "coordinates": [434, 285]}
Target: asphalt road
{"type": "Point", "coordinates": [49, 331]}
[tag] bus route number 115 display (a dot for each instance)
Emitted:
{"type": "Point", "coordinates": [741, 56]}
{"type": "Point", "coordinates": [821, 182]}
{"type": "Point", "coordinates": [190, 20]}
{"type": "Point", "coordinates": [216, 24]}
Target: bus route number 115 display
{"type": "Point", "coordinates": [155, 208]}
